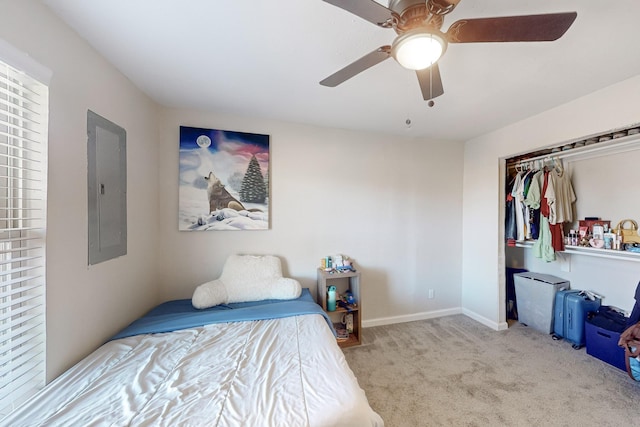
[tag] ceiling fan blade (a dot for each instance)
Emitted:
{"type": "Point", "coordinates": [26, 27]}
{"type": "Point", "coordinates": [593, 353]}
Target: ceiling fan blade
{"type": "Point", "coordinates": [526, 28]}
{"type": "Point", "coordinates": [430, 82]}
{"type": "Point", "coordinates": [356, 67]}
{"type": "Point", "coordinates": [368, 10]}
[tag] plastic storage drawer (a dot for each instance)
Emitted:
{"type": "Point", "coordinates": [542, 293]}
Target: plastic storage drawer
{"type": "Point", "coordinates": [602, 335]}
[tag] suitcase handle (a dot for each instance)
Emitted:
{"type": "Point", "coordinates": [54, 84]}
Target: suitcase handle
{"type": "Point", "coordinates": [603, 334]}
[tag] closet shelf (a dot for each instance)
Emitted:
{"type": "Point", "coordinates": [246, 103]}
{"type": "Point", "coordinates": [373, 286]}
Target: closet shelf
{"type": "Point", "coordinates": [604, 148]}
{"type": "Point", "coordinates": [594, 252]}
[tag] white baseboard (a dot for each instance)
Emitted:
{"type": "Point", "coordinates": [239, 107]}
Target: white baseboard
{"type": "Point", "coordinates": [381, 321]}
{"type": "Point", "coordinates": [487, 322]}
{"type": "Point", "coordinates": [410, 317]}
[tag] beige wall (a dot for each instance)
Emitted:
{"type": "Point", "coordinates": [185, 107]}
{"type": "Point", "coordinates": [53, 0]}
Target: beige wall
{"type": "Point", "coordinates": [484, 256]}
{"type": "Point", "coordinates": [391, 203]}
{"type": "Point", "coordinates": [85, 305]}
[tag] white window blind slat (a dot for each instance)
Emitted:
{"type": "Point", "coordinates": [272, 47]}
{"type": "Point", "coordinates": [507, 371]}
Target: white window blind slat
{"type": "Point", "coordinates": [17, 239]}
{"type": "Point", "coordinates": [20, 354]}
{"type": "Point", "coordinates": [19, 218]}
{"type": "Point", "coordinates": [19, 270]}
{"type": "Point", "coordinates": [25, 84]}
{"type": "Point", "coordinates": [17, 259]}
{"type": "Point", "coordinates": [24, 329]}
{"type": "Point", "coordinates": [18, 209]}
{"type": "Point", "coordinates": [17, 345]}
{"type": "Point", "coordinates": [20, 115]}
{"type": "Point", "coordinates": [27, 298]}
{"type": "Point", "coordinates": [24, 387]}
{"type": "Point", "coordinates": [23, 159]}
{"type": "Point", "coordinates": [23, 374]}
{"type": "Point", "coordinates": [16, 249]}
{"type": "Point", "coordinates": [22, 229]}
{"type": "Point", "coordinates": [9, 291]}
{"type": "Point", "coordinates": [21, 103]}
{"type": "Point", "coordinates": [19, 128]}
{"type": "Point", "coordinates": [15, 93]}
{"type": "Point", "coordinates": [24, 181]}
{"type": "Point", "coordinates": [18, 168]}
{"type": "Point", "coordinates": [21, 139]}
{"type": "Point", "coordinates": [27, 317]}
{"type": "Point", "coordinates": [19, 314]}
{"type": "Point", "coordinates": [24, 354]}
{"type": "Point", "coordinates": [26, 201]}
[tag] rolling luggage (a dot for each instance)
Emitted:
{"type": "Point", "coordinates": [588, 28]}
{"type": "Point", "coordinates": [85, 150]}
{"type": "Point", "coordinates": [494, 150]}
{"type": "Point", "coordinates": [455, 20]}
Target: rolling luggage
{"type": "Point", "coordinates": [570, 312]}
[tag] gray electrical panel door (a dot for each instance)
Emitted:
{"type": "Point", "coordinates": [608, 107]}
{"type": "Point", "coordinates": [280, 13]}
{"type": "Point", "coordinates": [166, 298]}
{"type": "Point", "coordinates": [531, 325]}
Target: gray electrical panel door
{"type": "Point", "coordinates": [107, 188]}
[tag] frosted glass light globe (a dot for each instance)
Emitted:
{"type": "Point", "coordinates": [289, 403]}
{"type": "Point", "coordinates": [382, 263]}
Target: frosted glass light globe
{"type": "Point", "coordinates": [418, 49]}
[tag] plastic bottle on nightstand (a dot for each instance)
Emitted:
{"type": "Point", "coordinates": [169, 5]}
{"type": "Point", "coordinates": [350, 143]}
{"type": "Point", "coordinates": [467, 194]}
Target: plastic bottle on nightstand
{"type": "Point", "coordinates": [331, 298]}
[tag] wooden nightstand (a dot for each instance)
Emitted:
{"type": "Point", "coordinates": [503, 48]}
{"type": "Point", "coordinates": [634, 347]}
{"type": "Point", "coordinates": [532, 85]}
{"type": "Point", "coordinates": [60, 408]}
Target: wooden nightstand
{"type": "Point", "coordinates": [343, 282]}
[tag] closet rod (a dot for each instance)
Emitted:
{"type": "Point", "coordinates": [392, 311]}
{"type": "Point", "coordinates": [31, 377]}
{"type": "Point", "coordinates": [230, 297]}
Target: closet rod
{"type": "Point", "coordinates": [597, 147]}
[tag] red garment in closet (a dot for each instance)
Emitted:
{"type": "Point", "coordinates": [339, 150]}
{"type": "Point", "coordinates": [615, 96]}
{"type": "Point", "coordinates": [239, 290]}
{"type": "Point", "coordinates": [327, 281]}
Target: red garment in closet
{"type": "Point", "coordinates": [557, 236]}
{"type": "Point", "coordinates": [544, 206]}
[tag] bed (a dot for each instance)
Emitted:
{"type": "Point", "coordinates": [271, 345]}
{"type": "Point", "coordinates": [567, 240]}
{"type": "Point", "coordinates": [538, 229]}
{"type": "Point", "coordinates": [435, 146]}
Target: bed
{"type": "Point", "coordinates": [266, 363]}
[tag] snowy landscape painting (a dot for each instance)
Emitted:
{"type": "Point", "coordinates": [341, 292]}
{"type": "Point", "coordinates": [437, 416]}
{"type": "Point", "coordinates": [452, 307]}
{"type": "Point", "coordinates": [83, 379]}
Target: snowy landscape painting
{"type": "Point", "coordinates": [223, 180]}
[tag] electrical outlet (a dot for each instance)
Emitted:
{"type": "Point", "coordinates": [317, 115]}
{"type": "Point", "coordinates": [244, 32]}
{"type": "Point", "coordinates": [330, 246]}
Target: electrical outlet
{"type": "Point", "coordinates": [431, 294]}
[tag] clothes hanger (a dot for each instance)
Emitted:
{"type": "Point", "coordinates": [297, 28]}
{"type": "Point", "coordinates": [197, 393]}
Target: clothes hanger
{"type": "Point", "coordinates": [558, 166]}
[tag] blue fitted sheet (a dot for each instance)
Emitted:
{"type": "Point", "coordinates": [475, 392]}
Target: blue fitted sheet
{"type": "Point", "coordinates": [180, 314]}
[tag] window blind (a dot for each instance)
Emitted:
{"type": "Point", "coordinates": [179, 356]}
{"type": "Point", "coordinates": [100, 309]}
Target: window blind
{"type": "Point", "coordinates": [23, 148]}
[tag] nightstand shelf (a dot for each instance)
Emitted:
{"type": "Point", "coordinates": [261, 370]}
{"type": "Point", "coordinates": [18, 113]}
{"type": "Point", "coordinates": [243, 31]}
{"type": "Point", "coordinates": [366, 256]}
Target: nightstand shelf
{"type": "Point", "coordinates": [342, 282]}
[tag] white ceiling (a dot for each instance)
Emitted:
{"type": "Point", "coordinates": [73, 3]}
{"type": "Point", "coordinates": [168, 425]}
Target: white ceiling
{"type": "Point", "coordinates": [262, 58]}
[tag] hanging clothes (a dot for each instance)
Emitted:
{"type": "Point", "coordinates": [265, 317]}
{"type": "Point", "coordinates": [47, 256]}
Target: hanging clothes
{"type": "Point", "coordinates": [561, 197]}
{"type": "Point", "coordinates": [556, 229]}
{"type": "Point", "coordinates": [533, 199]}
{"type": "Point", "coordinates": [527, 179]}
{"type": "Point", "coordinates": [516, 193]}
{"type": "Point", "coordinates": [539, 204]}
{"type": "Point", "coordinates": [543, 247]}
{"type": "Point", "coordinates": [510, 226]}
{"type": "Point", "coordinates": [565, 197]}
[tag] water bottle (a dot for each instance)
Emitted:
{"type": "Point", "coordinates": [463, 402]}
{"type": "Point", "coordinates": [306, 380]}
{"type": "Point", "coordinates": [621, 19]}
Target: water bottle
{"type": "Point", "coordinates": [331, 298]}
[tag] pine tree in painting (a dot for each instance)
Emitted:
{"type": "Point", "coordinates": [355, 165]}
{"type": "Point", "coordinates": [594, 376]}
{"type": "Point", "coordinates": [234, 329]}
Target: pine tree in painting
{"type": "Point", "coordinates": [253, 188]}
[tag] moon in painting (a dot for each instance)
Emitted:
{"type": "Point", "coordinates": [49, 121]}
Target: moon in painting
{"type": "Point", "coordinates": [203, 141]}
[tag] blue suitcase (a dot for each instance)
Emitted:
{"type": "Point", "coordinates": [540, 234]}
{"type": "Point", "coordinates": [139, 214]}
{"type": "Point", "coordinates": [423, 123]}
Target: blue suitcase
{"type": "Point", "coordinates": [569, 316]}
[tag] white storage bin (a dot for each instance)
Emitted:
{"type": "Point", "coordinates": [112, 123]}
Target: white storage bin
{"type": "Point", "coordinates": [535, 298]}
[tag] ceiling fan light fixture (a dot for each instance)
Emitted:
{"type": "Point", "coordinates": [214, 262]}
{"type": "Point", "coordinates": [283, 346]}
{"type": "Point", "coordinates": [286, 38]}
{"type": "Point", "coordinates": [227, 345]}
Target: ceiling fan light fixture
{"type": "Point", "coordinates": [419, 48]}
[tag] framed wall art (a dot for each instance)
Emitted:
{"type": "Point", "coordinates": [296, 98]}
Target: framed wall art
{"type": "Point", "coordinates": [223, 180]}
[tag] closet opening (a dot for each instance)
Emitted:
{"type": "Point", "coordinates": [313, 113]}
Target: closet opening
{"type": "Point", "coordinates": [552, 199]}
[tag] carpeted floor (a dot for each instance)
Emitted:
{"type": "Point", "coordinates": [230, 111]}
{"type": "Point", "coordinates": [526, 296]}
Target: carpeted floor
{"type": "Point", "coordinates": [454, 371]}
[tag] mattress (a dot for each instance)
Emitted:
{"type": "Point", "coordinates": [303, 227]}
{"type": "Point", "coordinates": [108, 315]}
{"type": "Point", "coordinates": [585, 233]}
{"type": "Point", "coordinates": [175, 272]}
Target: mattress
{"type": "Point", "coordinates": [285, 371]}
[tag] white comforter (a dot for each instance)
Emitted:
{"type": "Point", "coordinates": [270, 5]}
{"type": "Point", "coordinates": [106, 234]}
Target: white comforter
{"type": "Point", "coordinates": [282, 372]}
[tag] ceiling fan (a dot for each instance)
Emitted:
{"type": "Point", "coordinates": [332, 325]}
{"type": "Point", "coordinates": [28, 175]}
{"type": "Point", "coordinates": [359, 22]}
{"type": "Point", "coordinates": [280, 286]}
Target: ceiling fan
{"type": "Point", "coordinates": [420, 42]}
